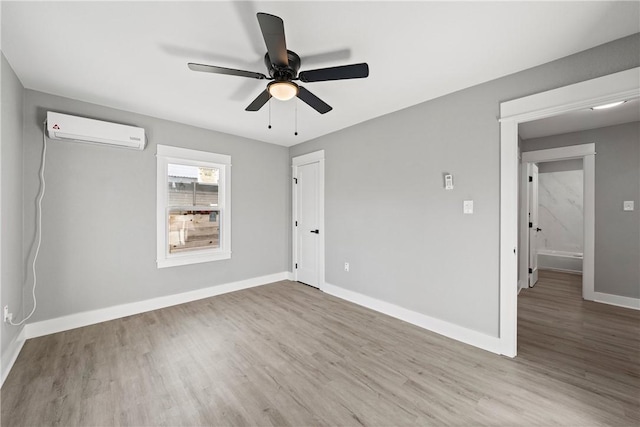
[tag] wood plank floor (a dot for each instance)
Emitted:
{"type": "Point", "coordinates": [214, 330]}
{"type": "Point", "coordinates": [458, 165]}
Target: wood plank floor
{"type": "Point", "coordinates": [286, 354]}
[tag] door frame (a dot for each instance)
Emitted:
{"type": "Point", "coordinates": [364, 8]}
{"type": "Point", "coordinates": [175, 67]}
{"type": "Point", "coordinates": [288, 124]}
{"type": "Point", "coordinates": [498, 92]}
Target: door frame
{"type": "Point", "coordinates": [305, 159]}
{"type": "Point", "coordinates": [586, 152]}
{"type": "Point", "coordinates": [619, 86]}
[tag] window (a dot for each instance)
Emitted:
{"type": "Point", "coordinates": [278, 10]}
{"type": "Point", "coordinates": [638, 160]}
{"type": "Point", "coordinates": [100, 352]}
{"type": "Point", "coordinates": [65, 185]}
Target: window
{"type": "Point", "coordinates": [193, 206]}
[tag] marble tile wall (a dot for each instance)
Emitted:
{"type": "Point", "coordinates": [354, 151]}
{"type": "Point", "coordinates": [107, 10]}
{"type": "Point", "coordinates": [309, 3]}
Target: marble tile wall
{"type": "Point", "coordinates": [560, 210]}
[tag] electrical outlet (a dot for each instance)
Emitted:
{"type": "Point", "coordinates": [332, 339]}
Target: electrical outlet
{"type": "Point", "coordinates": [346, 267]}
{"type": "Point", "coordinates": [7, 315]}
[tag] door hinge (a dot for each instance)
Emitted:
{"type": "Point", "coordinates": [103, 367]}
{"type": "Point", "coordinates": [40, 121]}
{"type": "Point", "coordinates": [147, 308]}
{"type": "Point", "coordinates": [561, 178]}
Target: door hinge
{"type": "Point", "coordinates": [296, 223]}
{"type": "Point", "coordinates": [295, 180]}
{"type": "Point", "coordinates": [530, 179]}
{"type": "Point", "coordinates": [530, 225]}
{"type": "Point", "coordinates": [530, 270]}
{"type": "Point", "coordinates": [296, 265]}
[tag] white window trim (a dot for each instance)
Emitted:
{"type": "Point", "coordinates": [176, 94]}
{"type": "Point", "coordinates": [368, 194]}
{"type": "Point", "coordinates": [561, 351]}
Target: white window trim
{"type": "Point", "coordinates": [166, 154]}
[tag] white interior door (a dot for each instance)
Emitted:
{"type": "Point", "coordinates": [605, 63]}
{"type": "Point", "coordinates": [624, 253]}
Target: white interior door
{"type": "Point", "coordinates": [308, 224]}
{"type": "Point", "coordinates": [533, 224]}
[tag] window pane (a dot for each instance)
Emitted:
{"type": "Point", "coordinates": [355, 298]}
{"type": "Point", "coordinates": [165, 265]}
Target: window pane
{"type": "Point", "coordinates": [208, 175]}
{"type": "Point", "coordinates": [192, 185]}
{"type": "Point", "coordinates": [206, 195]}
{"type": "Point", "coordinates": [180, 193]}
{"type": "Point", "coordinates": [193, 230]}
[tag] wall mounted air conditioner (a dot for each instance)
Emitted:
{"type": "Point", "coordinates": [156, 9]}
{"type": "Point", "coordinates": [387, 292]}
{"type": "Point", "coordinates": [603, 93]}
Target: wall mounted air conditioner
{"type": "Point", "coordinates": [73, 128]}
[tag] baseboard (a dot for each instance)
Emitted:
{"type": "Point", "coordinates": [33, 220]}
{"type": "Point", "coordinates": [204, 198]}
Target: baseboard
{"type": "Point", "coordinates": [447, 329]}
{"type": "Point", "coordinates": [78, 320]}
{"type": "Point", "coordinates": [618, 300]}
{"type": "Point", "coordinates": [561, 270]}
{"type": "Point", "coordinates": [11, 355]}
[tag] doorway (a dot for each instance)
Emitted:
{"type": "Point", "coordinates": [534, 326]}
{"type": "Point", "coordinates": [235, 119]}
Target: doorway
{"type": "Point", "coordinates": [556, 232]}
{"type": "Point", "coordinates": [529, 228]}
{"type": "Point", "coordinates": [308, 219]}
{"type": "Point", "coordinates": [610, 88]}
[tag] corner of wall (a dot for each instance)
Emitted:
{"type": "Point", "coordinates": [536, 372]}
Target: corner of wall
{"type": "Point", "coordinates": [11, 222]}
{"type": "Point", "coordinates": [10, 354]}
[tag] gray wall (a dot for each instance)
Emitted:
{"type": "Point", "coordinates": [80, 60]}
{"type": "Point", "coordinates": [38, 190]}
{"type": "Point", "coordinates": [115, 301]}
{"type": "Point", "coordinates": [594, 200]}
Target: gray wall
{"type": "Point", "coordinates": [11, 266]}
{"type": "Point", "coordinates": [387, 213]}
{"type": "Point", "coordinates": [99, 220]}
{"type": "Point", "coordinates": [617, 233]}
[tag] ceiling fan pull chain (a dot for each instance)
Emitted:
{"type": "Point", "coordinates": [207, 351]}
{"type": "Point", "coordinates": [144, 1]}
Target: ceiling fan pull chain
{"type": "Point", "coordinates": [269, 114]}
{"type": "Point", "coordinates": [296, 119]}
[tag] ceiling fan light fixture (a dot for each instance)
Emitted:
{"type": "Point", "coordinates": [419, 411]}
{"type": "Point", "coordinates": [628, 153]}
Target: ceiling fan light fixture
{"type": "Point", "coordinates": [605, 106]}
{"type": "Point", "coordinates": [283, 91]}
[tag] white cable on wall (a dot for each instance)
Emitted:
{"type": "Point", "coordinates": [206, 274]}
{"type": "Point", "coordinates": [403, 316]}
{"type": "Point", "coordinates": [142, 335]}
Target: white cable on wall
{"type": "Point", "coordinates": [39, 226]}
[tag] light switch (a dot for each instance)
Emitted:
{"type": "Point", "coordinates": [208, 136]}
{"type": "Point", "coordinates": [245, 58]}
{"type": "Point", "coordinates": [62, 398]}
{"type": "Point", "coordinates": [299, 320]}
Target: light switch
{"type": "Point", "coordinates": [627, 205]}
{"type": "Point", "coordinates": [467, 206]}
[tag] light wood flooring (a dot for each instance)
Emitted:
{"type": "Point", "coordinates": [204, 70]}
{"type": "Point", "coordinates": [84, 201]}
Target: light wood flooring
{"type": "Point", "coordinates": [286, 354]}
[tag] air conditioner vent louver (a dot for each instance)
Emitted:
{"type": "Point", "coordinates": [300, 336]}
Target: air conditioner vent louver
{"type": "Point", "coordinates": [80, 129]}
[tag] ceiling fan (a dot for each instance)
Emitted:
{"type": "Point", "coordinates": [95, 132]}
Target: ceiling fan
{"type": "Point", "coordinates": [283, 66]}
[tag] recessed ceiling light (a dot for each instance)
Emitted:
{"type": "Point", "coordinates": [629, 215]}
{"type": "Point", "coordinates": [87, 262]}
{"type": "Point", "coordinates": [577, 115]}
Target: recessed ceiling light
{"type": "Point", "coordinates": [605, 106]}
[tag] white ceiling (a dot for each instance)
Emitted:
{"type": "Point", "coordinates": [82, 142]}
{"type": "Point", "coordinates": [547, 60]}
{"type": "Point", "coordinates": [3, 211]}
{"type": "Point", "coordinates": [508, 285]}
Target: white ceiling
{"type": "Point", "coordinates": [581, 120]}
{"type": "Point", "coordinates": [133, 55]}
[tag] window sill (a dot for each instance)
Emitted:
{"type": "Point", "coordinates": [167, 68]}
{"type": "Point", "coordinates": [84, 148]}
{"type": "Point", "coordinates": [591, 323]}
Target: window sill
{"type": "Point", "coordinates": [192, 259]}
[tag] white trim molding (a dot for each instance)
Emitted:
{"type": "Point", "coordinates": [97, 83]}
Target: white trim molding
{"type": "Point", "coordinates": [615, 87]}
{"type": "Point", "coordinates": [618, 300]}
{"type": "Point", "coordinates": [441, 327]}
{"type": "Point", "coordinates": [305, 159]}
{"type": "Point", "coordinates": [620, 86]}
{"type": "Point", "coordinates": [508, 237]}
{"type": "Point", "coordinates": [561, 153]}
{"type": "Point", "coordinates": [78, 320]}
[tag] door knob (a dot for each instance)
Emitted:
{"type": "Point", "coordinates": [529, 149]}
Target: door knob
{"type": "Point", "coordinates": [538, 229]}
{"type": "Point", "coordinates": [315, 231]}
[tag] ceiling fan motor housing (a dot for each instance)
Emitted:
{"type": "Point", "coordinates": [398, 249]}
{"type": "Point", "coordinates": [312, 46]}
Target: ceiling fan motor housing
{"type": "Point", "coordinates": [287, 73]}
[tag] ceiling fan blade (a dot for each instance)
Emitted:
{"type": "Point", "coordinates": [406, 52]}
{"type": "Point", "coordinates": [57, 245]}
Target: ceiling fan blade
{"type": "Point", "coordinates": [313, 101]}
{"type": "Point", "coordinates": [353, 71]}
{"type": "Point", "coordinates": [259, 101]}
{"type": "Point", "coordinates": [222, 70]}
{"type": "Point", "coordinates": [272, 29]}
